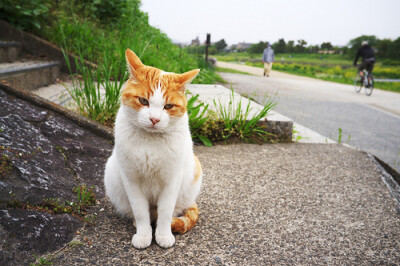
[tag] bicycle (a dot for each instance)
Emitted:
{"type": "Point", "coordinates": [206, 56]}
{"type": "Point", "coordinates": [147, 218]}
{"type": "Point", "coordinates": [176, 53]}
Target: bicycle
{"type": "Point", "coordinates": [366, 81]}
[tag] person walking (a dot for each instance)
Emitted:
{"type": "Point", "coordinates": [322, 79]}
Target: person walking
{"type": "Point", "coordinates": [268, 59]}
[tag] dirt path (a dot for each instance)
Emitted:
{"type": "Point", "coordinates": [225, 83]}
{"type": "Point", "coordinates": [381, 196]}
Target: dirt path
{"type": "Point", "coordinates": [287, 85]}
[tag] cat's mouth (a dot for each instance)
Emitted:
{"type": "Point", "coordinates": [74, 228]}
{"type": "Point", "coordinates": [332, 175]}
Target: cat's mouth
{"type": "Point", "coordinates": [153, 129]}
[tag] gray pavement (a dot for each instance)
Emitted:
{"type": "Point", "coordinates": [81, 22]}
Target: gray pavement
{"type": "Point", "coordinates": [266, 204]}
{"type": "Point", "coordinates": [373, 123]}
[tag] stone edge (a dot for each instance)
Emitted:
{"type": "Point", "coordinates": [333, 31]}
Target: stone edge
{"type": "Point", "coordinates": [82, 121]}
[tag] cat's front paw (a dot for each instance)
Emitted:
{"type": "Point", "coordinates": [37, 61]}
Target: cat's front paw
{"type": "Point", "coordinates": [141, 241]}
{"type": "Point", "coordinates": [165, 241]}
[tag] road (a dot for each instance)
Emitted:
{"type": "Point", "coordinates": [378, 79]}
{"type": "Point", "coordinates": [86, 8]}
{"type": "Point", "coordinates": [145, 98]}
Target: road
{"type": "Point", "coordinates": [368, 123]}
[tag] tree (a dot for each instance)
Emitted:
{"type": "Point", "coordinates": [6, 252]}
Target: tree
{"type": "Point", "coordinates": [383, 48]}
{"type": "Point", "coordinates": [355, 44]}
{"type": "Point", "coordinates": [301, 46]}
{"type": "Point", "coordinates": [257, 48]}
{"type": "Point", "coordinates": [326, 46]}
{"type": "Point", "coordinates": [220, 45]}
{"type": "Point", "coordinates": [280, 46]}
{"type": "Point", "coordinates": [290, 47]}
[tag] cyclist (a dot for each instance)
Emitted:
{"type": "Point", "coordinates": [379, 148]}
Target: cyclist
{"type": "Point", "coordinates": [368, 59]}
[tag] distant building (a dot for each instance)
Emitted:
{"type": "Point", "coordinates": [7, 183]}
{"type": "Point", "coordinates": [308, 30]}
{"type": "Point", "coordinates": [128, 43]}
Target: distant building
{"type": "Point", "coordinates": [326, 51]}
{"type": "Point", "coordinates": [195, 42]}
{"type": "Point", "coordinates": [243, 46]}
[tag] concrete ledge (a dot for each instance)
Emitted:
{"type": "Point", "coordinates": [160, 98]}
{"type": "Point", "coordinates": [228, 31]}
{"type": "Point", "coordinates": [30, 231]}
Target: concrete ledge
{"type": "Point", "coordinates": [30, 76]}
{"type": "Point", "coordinates": [82, 121]}
{"type": "Point", "coordinates": [9, 51]}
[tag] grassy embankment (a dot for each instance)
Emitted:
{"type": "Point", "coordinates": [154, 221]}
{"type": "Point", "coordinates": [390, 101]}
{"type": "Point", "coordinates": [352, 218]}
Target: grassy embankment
{"type": "Point", "coordinates": [337, 68]}
{"type": "Point", "coordinates": [103, 39]}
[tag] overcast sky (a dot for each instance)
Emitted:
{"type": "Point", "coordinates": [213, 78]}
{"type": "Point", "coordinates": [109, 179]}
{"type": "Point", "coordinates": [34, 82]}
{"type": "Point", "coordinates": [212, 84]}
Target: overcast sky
{"type": "Point", "coordinates": [315, 21]}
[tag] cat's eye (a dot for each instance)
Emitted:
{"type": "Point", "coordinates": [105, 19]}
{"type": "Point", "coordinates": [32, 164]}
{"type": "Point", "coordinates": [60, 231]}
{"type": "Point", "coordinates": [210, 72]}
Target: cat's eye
{"type": "Point", "coordinates": [168, 106]}
{"type": "Point", "coordinates": [143, 101]}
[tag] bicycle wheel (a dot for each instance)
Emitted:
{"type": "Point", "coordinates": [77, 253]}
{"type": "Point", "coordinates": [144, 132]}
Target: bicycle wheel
{"type": "Point", "coordinates": [369, 89]}
{"type": "Point", "coordinates": [357, 83]}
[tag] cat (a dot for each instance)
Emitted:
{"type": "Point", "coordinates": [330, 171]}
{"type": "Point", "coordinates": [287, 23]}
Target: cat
{"type": "Point", "coordinates": [152, 173]}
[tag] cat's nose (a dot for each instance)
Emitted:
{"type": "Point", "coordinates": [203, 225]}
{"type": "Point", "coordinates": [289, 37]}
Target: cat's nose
{"type": "Point", "coordinates": [154, 120]}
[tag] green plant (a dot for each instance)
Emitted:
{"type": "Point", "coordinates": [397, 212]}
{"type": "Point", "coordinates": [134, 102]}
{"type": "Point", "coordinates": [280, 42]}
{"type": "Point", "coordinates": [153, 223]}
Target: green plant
{"type": "Point", "coordinates": [197, 113]}
{"type": "Point", "coordinates": [41, 261]}
{"type": "Point", "coordinates": [8, 155]}
{"type": "Point", "coordinates": [299, 137]}
{"type": "Point", "coordinates": [340, 136]}
{"type": "Point", "coordinates": [232, 122]}
{"type": "Point", "coordinates": [96, 91]}
{"type": "Point", "coordinates": [75, 243]}
{"type": "Point", "coordinates": [28, 15]}
{"type": "Point", "coordinates": [86, 197]}
{"type": "Point", "coordinates": [237, 122]}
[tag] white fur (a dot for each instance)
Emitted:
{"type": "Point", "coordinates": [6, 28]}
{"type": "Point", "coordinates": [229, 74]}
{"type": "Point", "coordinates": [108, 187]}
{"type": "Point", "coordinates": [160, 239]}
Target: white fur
{"type": "Point", "coordinates": [151, 168]}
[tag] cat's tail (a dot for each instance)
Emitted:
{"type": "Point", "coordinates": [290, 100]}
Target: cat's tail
{"type": "Point", "coordinates": [185, 222]}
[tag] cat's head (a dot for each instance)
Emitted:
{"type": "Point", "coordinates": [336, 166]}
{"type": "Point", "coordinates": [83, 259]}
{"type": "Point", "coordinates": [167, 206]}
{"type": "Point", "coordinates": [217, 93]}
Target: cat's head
{"type": "Point", "coordinates": [156, 99]}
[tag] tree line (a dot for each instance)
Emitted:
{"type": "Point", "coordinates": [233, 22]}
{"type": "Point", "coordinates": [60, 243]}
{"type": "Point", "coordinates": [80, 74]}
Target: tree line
{"type": "Point", "coordinates": [385, 48]}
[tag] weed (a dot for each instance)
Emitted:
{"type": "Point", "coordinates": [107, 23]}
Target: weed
{"type": "Point", "coordinates": [197, 113]}
{"type": "Point", "coordinates": [8, 155]}
{"type": "Point", "coordinates": [86, 198]}
{"type": "Point", "coordinates": [42, 261]}
{"type": "Point", "coordinates": [75, 243]}
{"type": "Point", "coordinates": [299, 137]}
{"type": "Point", "coordinates": [340, 136]}
{"type": "Point", "coordinates": [90, 219]}
{"type": "Point", "coordinates": [232, 122]}
{"type": "Point", "coordinates": [229, 70]}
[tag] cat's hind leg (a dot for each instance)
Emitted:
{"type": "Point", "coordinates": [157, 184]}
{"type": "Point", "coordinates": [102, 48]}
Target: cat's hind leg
{"type": "Point", "coordinates": [115, 189]}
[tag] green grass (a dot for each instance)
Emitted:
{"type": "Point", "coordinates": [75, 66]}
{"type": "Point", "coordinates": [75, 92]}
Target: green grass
{"type": "Point", "coordinates": [105, 44]}
{"type": "Point", "coordinates": [233, 123]}
{"type": "Point", "coordinates": [229, 70]}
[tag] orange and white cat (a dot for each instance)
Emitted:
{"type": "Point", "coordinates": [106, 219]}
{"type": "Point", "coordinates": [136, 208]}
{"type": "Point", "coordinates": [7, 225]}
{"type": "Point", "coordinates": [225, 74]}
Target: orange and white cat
{"type": "Point", "coordinates": [153, 173]}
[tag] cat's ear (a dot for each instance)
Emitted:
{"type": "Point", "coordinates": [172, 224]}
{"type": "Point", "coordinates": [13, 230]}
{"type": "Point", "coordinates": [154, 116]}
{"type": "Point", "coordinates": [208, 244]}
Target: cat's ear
{"type": "Point", "coordinates": [187, 77]}
{"type": "Point", "coordinates": [132, 61]}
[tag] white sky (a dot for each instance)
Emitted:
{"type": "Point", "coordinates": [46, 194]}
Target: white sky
{"type": "Point", "coordinates": [315, 21]}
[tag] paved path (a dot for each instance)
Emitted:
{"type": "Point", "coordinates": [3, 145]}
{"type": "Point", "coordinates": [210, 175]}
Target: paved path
{"type": "Point", "coordinates": [281, 204]}
{"type": "Point", "coordinates": [373, 123]}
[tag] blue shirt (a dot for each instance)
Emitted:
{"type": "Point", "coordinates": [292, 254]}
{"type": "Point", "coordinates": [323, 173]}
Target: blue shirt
{"type": "Point", "coordinates": [268, 55]}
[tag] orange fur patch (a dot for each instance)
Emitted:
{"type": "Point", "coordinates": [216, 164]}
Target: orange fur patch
{"type": "Point", "coordinates": [187, 221]}
{"type": "Point", "coordinates": [145, 79]}
{"type": "Point", "coordinates": [197, 169]}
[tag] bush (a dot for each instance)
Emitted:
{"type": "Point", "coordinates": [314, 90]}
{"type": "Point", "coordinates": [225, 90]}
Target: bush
{"type": "Point", "coordinates": [25, 15]}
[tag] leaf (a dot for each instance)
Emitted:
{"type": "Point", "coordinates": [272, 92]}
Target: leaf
{"type": "Point", "coordinates": [206, 141]}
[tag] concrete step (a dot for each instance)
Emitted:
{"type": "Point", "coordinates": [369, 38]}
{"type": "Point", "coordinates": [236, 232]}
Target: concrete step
{"type": "Point", "coordinates": [9, 51]}
{"type": "Point", "coordinates": [278, 124]}
{"type": "Point", "coordinates": [29, 75]}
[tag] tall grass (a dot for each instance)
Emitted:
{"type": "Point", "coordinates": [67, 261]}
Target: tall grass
{"type": "Point", "coordinates": [233, 122]}
{"type": "Point", "coordinates": [89, 38]}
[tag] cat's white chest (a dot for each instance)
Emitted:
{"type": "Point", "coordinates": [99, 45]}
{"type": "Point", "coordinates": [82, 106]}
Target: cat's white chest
{"type": "Point", "coordinates": [150, 158]}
